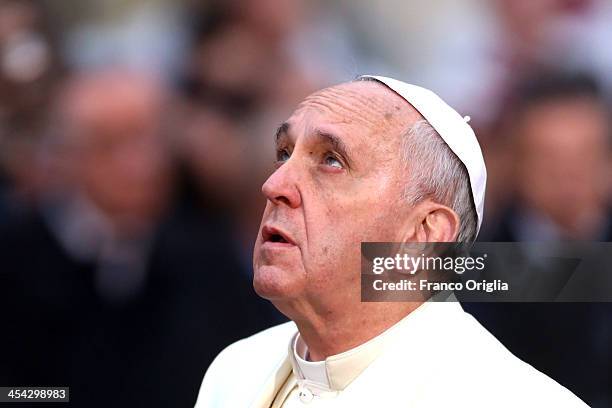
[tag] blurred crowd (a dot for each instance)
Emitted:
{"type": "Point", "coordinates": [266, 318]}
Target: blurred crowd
{"type": "Point", "coordinates": [135, 137]}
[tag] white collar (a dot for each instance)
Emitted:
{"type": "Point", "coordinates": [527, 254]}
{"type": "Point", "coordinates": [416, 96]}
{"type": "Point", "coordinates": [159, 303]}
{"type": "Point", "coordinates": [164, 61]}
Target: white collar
{"type": "Point", "coordinates": [336, 372]}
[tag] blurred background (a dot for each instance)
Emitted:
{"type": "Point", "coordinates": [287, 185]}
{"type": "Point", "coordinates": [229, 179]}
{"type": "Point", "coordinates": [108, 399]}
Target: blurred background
{"type": "Point", "coordinates": [135, 136]}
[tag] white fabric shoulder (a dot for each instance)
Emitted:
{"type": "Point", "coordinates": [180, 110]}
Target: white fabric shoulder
{"type": "Point", "coordinates": [497, 374]}
{"type": "Point", "coordinates": [450, 359]}
{"type": "Point", "coordinates": [237, 369]}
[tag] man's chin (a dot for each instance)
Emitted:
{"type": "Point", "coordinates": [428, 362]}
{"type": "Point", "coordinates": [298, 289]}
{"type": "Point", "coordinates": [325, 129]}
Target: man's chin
{"type": "Point", "coordinates": [273, 282]}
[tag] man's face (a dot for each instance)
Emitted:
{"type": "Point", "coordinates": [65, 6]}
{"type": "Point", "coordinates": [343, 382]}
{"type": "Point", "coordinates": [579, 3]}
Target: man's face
{"type": "Point", "coordinates": [338, 182]}
{"type": "Point", "coordinates": [119, 155]}
{"type": "Point", "coordinates": [564, 159]}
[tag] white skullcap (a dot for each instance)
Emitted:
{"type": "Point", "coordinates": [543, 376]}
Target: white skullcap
{"type": "Point", "coordinates": [453, 129]}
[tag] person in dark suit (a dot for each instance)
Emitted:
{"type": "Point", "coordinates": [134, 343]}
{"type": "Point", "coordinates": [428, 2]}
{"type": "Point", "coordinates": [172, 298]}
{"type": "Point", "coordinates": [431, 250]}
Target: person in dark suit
{"type": "Point", "coordinates": [107, 286]}
{"type": "Point", "coordinates": [561, 139]}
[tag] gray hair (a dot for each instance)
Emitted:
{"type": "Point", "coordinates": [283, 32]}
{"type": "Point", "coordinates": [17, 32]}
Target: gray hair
{"type": "Point", "coordinates": [438, 174]}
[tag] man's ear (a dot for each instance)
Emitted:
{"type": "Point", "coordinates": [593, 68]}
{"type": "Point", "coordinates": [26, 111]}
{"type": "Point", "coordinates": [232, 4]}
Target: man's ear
{"type": "Point", "coordinates": [432, 222]}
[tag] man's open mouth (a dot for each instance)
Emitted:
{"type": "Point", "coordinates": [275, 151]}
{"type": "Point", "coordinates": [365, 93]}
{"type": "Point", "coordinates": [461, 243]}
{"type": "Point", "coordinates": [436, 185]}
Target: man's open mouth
{"type": "Point", "coordinates": [271, 234]}
{"type": "Point", "coordinates": [277, 238]}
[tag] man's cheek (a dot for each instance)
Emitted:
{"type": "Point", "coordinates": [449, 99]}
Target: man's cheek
{"type": "Point", "coordinates": [335, 254]}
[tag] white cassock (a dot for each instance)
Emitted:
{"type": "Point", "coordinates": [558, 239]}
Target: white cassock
{"type": "Point", "coordinates": [437, 356]}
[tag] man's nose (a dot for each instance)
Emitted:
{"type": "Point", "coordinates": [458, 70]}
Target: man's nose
{"type": "Point", "coordinates": [281, 187]}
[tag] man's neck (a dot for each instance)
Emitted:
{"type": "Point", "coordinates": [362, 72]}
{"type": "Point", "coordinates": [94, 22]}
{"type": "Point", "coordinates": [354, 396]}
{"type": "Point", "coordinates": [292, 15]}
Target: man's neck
{"type": "Point", "coordinates": [336, 334]}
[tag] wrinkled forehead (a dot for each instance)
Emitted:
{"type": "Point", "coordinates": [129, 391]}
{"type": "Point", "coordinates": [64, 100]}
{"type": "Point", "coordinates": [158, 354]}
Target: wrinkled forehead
{"type": "Point", "coordinates": [366, 105]}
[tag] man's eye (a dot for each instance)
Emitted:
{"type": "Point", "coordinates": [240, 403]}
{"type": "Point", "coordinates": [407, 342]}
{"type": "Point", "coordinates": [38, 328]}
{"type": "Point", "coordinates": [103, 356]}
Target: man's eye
{"type": "Point", "coordinates": [333, 162]}
{"type": "Point", "coordinates": [282, 155]}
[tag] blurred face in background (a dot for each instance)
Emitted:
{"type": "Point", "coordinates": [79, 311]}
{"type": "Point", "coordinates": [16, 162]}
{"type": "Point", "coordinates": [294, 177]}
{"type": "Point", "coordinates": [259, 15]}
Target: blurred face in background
{"type": "Point", "coordinates": [339, 181]}
{"type": "Point", "coordinates": [274, 18]}
{"type": "Point", "coordinates": [564, 161]}
{"type": "Point", "coordinates": [113, 126]}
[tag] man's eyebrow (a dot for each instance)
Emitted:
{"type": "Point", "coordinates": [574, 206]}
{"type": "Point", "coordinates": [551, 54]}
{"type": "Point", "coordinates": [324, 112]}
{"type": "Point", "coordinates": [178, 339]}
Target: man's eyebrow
{"type": "Point", "coordinates": [324, 136]}
{"type": "Point", "coordinates": [337, 143]}
{"type": "Point", "coordinates": [281, 131]}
